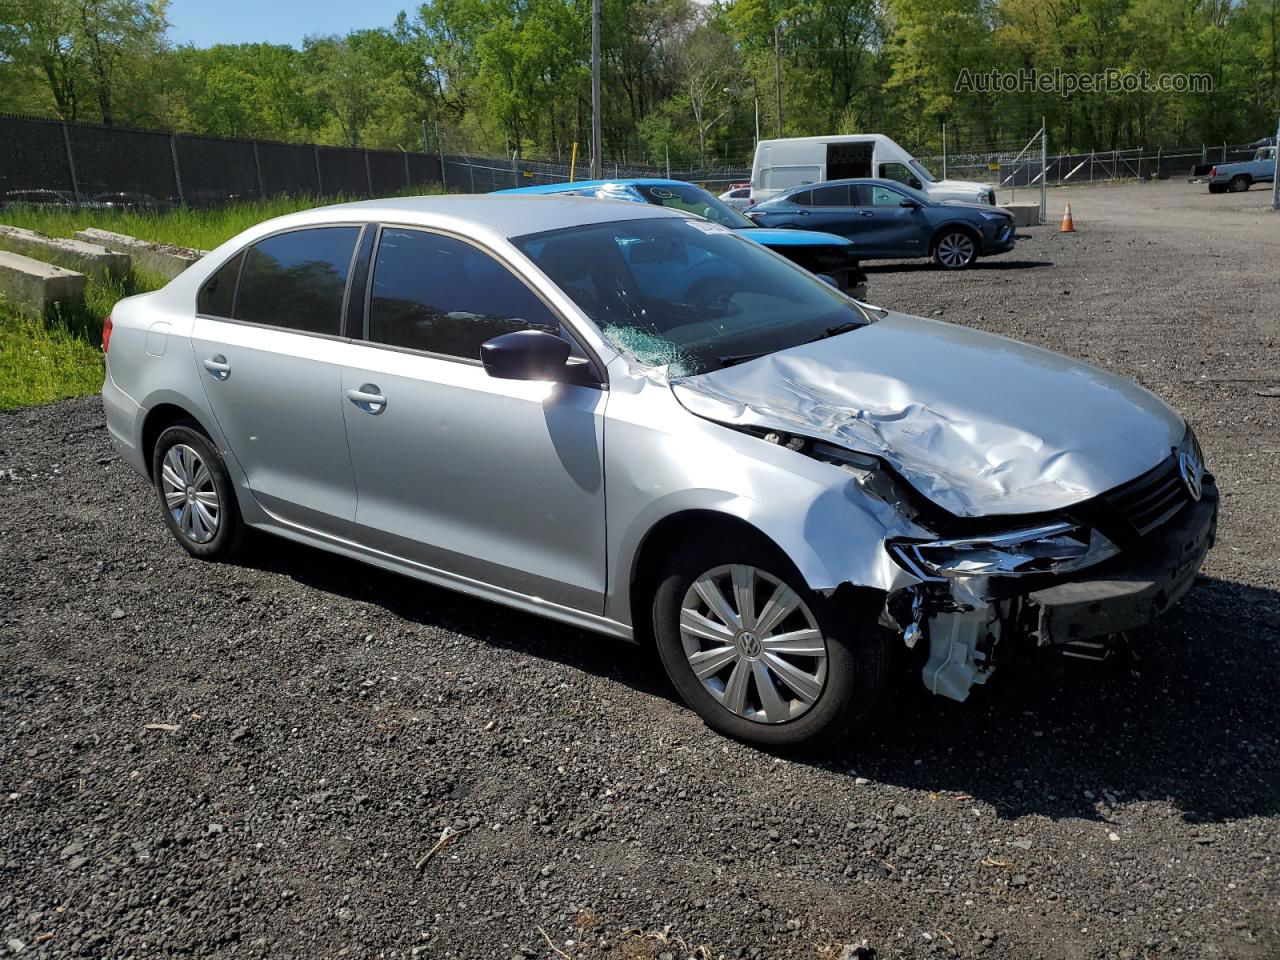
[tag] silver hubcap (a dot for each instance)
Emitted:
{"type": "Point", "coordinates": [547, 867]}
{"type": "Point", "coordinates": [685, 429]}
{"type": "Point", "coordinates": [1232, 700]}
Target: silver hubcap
{"type": "Point", "coordinates": [955, 250]}
{"type": "Point", "coordinates": [189, 493]}
{"type": "Point", "coordinates": [753, 643]}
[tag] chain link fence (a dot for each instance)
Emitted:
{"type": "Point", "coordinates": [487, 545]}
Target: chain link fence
{"type": "Point", "coordinates": [1004, 168]}
{"type": "Point", "coordinates": [74, 164]}
{"type": "Point", "coordinates": [70, 164]}
{"type": "Point", "coordinates": [475, 174]}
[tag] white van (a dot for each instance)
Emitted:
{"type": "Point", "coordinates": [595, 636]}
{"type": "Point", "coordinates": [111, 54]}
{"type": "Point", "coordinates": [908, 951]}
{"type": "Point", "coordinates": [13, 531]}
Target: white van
{"type": "Point", "coordinates": [782, 164]}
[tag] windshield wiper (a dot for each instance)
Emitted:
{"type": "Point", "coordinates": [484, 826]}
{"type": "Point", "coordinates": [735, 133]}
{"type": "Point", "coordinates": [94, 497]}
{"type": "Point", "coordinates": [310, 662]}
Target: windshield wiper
{"type": "Point", "coordinates": [846, 327]}
{"type": "Point", "coordinates": [835, 331]}
{"type": "Point", "coordinates": [741, 358]}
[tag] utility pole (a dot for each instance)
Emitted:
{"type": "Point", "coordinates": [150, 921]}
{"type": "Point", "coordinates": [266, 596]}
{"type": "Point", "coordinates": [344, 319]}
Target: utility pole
{"type": "Point", "coordinates": [777, 70]}
{"type": "Point", "coordinates": [757, 120]}
{"type": "Point", "coordinates": [944, 149]}
{"type": "Point", "coordinates": [1044, 169]}
{"type": "Point", "coordinates": [597, 159]}
{"type": "Point", "coordinates": [1275, 176]}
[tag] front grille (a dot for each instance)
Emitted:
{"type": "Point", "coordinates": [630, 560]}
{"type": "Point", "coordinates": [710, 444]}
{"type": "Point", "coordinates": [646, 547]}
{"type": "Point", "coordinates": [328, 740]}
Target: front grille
{"type": "Point", "coordinates": [1151, 499]}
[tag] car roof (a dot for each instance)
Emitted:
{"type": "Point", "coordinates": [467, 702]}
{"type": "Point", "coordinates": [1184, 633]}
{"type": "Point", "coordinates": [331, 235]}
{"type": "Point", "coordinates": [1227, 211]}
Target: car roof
{"type": "Point", "coordinates": [851, 181]}
{"type": "Point", "coordinates": [553, 188]}
{"type": "Point", "coordinates": [830, 138]}
{"type": "Point", "coordinates": [509, 215]}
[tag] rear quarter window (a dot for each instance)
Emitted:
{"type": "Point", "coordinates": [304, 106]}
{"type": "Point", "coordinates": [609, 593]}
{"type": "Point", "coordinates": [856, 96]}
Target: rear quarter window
{"type": "Point", "coordinates": [218, 294]}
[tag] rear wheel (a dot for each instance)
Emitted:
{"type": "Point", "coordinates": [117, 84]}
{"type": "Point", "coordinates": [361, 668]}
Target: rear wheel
{"type": "Point", "coordinates": [1239, 183]}
{"type": "Point", "coordinates": [955, 250]}
{"type": "Point", "coordinates": [757, 654]}
{"type": "Point", "coordinates": [196, 494]}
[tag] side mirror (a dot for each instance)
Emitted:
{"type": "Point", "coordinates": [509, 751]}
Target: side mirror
{"type": "Point", "coordinates": [915, 182]}
{"type": "Point", "coordinates": [526, 355]}
{"type": "Point", "coordinates": [909, 203]}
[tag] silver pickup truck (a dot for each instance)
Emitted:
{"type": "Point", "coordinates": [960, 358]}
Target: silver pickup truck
{"type": "Point", "coordinates": [1238, 177]}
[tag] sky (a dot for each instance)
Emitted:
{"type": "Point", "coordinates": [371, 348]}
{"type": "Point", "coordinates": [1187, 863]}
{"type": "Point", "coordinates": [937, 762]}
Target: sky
{"type": "Point", "coordinates": [206, 22]}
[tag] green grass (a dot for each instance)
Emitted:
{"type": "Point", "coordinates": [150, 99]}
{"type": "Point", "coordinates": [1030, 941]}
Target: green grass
{"type": "Point", "coordinates": [43, 359]}
{"type": "Point", "coordinates": [58, 356]}
{"type": "Point", "coordinates": [40, 362]}
{"type": "Point", "coordinates": [201, 229]}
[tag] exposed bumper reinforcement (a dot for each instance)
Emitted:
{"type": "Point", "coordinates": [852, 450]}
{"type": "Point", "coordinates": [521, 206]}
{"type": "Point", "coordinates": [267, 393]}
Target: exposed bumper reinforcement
{"type": "Point", "coordinates": [1130, 592]}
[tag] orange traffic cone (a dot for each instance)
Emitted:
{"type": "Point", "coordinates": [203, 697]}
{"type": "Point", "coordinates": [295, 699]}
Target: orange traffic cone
{"type": "Point", "coordinates": [1067, 225]}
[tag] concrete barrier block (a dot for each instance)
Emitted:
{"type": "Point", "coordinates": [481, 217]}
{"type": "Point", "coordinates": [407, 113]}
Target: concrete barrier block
{"type": "Point", "coordinates": [163, 259]}
{"type": "Point", "coordinates": [79, 255]}
{"type": "Point", "coordinates": [33, 286]}
{"type": "Point", "coordinates": [1024, 214]}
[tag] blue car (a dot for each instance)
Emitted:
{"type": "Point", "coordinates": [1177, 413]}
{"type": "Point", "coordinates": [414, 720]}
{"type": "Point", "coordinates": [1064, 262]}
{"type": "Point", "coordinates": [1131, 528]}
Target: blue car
{"type": "Point", "coordinates": [825, 254]}
{"type": "Point", "coordinates": [889, 220]}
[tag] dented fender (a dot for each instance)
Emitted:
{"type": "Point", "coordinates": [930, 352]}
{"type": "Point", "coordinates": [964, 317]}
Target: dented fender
{"type": "Point", "coordinates": [832, 534]}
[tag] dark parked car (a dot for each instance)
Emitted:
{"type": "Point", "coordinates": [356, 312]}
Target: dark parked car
{"type": "Point", "coordinates": [126, 200]}
{"type": "Point", "coordinates": [888, 220]}
{"type": "Point", "coordinates": [47, 198]}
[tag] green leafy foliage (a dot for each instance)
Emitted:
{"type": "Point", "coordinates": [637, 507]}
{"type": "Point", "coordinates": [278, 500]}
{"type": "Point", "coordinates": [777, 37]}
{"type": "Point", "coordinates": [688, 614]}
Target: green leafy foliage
{"type": "Point", "coordinates": [682, 80]}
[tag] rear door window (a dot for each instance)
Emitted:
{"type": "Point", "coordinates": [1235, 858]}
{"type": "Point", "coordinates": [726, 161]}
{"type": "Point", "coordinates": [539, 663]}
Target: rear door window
{"type": "Point", "coordinates": [444, 296]}
{"type": "Point", "coordinates": [218, 294]}
{"type": "Point", "coordinates": [297, 280]}
{"type": "Point", "coordinates": [833, 196]}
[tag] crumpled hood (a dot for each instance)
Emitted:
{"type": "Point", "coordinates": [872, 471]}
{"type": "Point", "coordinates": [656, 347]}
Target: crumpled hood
{"type": "Point", "coordinates": [979, 424]}
{"type": "Point", "coordinates": [774, 237]}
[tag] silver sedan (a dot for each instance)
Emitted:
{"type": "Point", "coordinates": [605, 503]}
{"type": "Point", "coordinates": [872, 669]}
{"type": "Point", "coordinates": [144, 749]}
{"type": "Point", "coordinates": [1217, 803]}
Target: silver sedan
{"type": "Point", "coordinates": [634, 422]}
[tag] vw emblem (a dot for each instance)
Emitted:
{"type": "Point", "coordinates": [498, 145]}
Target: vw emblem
{"type": "Point", "coordinates": [750, 645]}
{"type": "Point", "coordinates": [1192, 471]}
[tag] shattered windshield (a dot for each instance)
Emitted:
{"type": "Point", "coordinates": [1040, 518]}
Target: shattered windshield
{"type": "Point", "coordinates": [687, 294]}
{"type": "Point", "coordinates": [693, 199]}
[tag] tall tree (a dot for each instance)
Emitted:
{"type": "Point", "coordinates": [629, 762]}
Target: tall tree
{"type": "Point", "coordinates": [82, 46]}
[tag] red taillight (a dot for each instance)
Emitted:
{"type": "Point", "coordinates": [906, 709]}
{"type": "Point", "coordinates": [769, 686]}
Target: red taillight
{"type": "Point", "coordinates": [106, 333]}
{"type": "Point", "coordinates": [1213, 172]}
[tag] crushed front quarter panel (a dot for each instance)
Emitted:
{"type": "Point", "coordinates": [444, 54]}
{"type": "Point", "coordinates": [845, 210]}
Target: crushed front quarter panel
{"type": "Point", "coordinates": [661, 462]}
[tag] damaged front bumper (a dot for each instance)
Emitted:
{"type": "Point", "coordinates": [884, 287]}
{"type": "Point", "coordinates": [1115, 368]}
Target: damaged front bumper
{"type": "Point", "coordinates": [968, 625]}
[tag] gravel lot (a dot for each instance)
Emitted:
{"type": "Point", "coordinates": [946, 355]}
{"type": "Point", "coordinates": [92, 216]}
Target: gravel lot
{"type": "Point", "coordinates": [270, 759]}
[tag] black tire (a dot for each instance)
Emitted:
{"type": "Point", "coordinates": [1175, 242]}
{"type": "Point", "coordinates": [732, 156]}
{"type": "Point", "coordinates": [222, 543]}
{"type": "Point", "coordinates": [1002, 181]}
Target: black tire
{"type": "Point", "coordinates": [228, 537]}
{"type": "Point", "coordinates": [858, 650]}
{"type": "Point", "coordinates": [1239, 183]}
{"type": "Point", "coordinates": [955, 249]}
{"type": "Point", "coordinates": [1217, 188]}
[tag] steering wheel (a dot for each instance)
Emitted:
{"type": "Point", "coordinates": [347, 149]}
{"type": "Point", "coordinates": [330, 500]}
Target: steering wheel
{"type": "Point", "coordinates": [713, 295]}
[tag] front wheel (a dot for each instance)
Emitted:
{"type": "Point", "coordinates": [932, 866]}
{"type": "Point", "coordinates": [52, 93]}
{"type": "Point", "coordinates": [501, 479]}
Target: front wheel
{"type": "Point", "coordinates": [1239, 183]}
{"type": "Point", "coordinates": [196, 494]}
{"type": "Point", "coordinates": [757, 654]}
{"type": "Point", "coordinates": [955, 250]}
